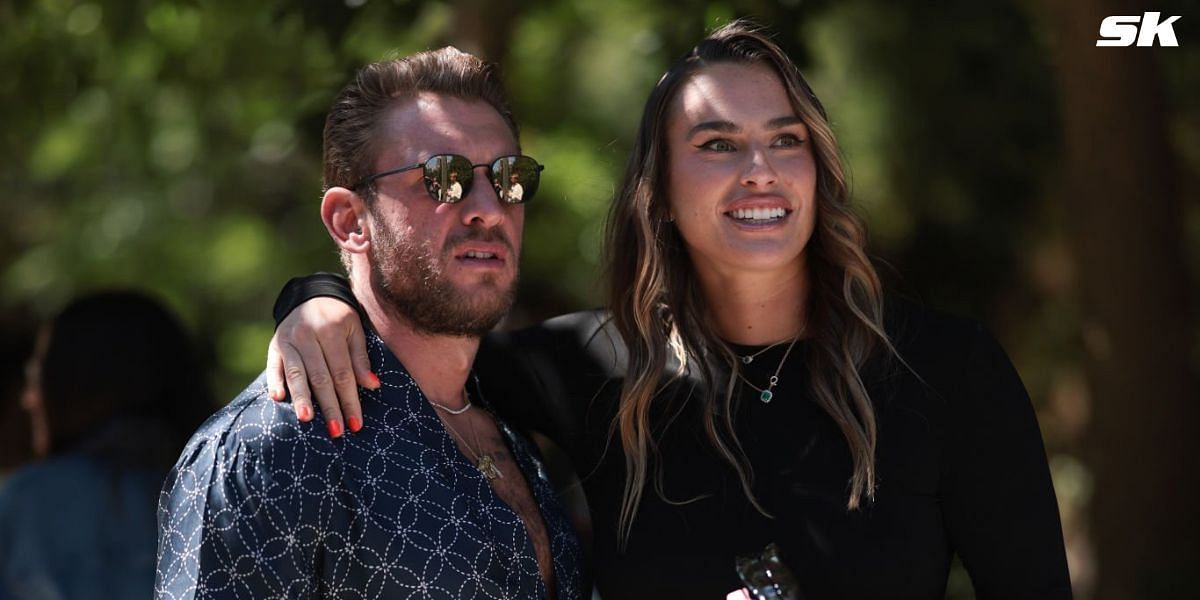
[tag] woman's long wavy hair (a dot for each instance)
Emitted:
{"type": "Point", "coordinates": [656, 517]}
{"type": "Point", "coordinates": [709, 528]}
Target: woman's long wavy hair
{"type": "Point", "coordinates": [660, 311]}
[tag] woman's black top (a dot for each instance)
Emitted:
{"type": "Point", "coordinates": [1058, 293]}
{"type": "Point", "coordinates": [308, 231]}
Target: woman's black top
{"type": "Point", "coordinates": [961, 466]}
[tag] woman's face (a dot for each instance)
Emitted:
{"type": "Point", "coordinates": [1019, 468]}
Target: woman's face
{"type": "Point", "coordinates": [742, 178]}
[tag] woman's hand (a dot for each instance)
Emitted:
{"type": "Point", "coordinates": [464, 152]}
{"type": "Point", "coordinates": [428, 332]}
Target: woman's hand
{"type": "Point", "coordinates": [320, 349]}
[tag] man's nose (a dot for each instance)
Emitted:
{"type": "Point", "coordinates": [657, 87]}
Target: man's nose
{"type": "Point", "coordinates": [481, 204]}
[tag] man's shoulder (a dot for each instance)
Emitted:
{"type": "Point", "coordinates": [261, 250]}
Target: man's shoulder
{"type": "Point", "coordinates": [235, 491]}
{"type": "Point", "coordinates": [252, 424]}
{"type": "Point", "coordinates": [249, 417]}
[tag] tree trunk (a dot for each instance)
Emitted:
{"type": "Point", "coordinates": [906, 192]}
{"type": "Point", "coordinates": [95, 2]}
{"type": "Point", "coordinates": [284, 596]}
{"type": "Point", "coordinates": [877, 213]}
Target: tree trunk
{"type": "Point", "coordinates": [1123, 218]}
{"type": "Point", "coordinates": [484, 27]}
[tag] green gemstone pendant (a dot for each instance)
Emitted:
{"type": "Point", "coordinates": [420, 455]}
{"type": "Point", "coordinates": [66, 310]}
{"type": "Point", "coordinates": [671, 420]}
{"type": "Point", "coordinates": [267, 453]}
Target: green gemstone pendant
{"type": "Point", "coordinates": [766, 396]}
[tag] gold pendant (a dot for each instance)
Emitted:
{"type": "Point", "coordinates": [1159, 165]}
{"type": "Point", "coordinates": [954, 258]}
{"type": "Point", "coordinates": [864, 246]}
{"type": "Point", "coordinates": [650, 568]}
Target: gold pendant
{"type": "Point", "coordinates": [488, 467]}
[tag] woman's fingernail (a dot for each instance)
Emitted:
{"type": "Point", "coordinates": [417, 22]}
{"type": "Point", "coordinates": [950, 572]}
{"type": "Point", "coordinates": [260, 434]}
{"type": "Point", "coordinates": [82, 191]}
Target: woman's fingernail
{"type": "Point", "coordinates": [303, 412]}
{"type": "Point", "coordinates": [375, 380]}
{"type": "Point", "coordinates": [355, 424]}
{"type": "Point", "coordinates": [335, 428]}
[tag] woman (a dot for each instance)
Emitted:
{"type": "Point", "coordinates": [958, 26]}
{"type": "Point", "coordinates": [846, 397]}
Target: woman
{"type": "Point", "coordinates": [112, 393]}
{"type": "Point", "coordinates": [747, 386]}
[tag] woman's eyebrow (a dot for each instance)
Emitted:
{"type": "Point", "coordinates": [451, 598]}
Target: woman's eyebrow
{"type": "Point", "coordinates": [781, 122]}
{"type": "Point", "coordinates": [730, 127]}
{"type": "Point", "coordinates": [718, 126]}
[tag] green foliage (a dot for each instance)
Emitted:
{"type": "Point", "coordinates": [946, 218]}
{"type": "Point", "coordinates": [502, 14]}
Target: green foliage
{"type": "Point", "coordinates": [166, 145]}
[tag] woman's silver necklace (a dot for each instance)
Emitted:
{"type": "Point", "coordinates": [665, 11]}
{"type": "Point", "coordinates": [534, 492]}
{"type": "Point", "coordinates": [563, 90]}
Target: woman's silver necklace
{"type": "Point", "coordinates": [749, 358]}
{"type": "Point", "coordinates": [767, 393]}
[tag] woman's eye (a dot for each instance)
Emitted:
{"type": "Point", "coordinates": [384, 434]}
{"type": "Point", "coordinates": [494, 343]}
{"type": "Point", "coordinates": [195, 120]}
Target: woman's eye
{"type": "Point", "coordinates": [717, 145]}
{"type": "Point", "coordinates": [788, 141]}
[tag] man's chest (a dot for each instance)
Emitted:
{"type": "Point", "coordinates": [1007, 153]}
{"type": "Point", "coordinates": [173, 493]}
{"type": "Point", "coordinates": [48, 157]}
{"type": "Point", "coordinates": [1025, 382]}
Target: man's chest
{"type": "Point", "coordinates": [416, 514]}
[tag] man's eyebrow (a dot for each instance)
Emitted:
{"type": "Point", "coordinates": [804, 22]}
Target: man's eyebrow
{"type": "Point", "coordinates": [718, 126]}
{"type": "Point", "coordinates": [781, 122]}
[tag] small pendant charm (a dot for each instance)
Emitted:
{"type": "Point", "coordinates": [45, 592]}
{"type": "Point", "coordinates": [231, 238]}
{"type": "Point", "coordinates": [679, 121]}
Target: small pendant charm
{"type": "Point", "coordinates": [488, 467]}
{"type": "Point", "coordinates": [747, 360]}
{"type": "Point", "coordinates": [766, 396]}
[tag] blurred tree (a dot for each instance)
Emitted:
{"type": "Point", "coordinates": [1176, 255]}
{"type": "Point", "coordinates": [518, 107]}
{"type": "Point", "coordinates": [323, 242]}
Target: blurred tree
{"type": "Point", "coordinates": [1120, 190]}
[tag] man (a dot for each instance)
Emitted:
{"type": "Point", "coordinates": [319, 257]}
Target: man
{"type": "Point", "coordinates": [516, 191]}
{"type": "Point", "coordinates": [454, 189]}
{"type": "Point", "coordinates": [434, 497]}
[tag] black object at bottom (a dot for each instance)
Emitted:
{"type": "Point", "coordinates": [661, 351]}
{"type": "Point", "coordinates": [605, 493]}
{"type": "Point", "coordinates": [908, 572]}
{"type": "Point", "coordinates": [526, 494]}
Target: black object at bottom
{"type": "Point", "coordinates": [766, 577]}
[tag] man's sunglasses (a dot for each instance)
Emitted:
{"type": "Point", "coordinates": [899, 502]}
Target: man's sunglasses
{"type": "Point", "coordinates": [448, 177]}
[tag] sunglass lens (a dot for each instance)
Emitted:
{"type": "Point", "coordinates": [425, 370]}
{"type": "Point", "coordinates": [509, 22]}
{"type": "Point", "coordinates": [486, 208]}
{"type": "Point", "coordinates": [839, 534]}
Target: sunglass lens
{"type": "Point", "coordinates": [516, 178]}
{"type": "Point", "coordinates": [448, 177]}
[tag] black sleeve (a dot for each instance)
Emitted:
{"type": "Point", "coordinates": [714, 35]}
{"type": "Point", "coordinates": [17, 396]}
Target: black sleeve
{"type": "Point", "coordinates": [512, 386]}
{"type": "Point", "coordinates": [998, 502]}
{"type": "Point", "coordinates": [558, 378]}
{"type": "Point", "coordinates": [298, 290]}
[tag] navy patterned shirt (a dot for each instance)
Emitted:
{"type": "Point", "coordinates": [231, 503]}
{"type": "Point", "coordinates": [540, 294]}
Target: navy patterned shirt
{"type": "Point", "coordinates": [263, 506]}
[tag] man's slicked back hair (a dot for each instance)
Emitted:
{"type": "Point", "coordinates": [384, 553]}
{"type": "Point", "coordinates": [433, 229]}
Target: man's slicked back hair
{"type": "Point", "coordinates": [355, 119]}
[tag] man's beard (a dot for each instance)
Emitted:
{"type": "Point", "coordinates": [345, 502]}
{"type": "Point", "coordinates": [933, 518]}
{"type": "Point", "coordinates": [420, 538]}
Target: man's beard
{"type": "Point", "coordinates": [406, 277]}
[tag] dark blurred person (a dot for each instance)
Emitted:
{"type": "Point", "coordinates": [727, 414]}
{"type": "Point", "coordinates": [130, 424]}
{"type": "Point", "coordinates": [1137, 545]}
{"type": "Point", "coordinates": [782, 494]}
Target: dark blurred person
{"type": "Point", "coordinates": [108, 422]}
{"type": "Point", "coordinates": [16, 344]}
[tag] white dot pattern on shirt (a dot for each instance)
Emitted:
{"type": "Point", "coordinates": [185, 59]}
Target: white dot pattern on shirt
{"type": "Point", "coordinates": [260, 505]}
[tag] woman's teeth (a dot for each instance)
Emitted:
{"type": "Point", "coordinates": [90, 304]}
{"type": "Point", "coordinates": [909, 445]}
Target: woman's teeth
{"type": "Point", "coordinates": [474, 254]}
{"type": "Point", "coordinates": [757, 214]}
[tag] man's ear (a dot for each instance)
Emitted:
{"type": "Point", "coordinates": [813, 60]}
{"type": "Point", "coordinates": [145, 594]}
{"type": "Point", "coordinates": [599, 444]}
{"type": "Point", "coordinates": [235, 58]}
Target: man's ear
{"type": "Point", "coordinates": [345, 216]}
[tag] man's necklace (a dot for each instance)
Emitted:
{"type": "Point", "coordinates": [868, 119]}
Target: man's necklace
{"type": "Point", "coordinates": [767, 393]}
{"type": "Point", "coordinates": [454, 411]}
{"type": "Point", "coordinates": [483, 461]}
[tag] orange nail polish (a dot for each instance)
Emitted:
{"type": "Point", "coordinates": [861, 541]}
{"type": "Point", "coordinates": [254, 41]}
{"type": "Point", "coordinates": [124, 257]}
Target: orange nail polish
{"type": "Point", "coordinates": [303, 413]}
{"type": "Point", "coordinates": [335, 428]}
{"type": "Point", "coordinates": [375, 380]}
{"type": "Point", "coordinates": [355, 424]}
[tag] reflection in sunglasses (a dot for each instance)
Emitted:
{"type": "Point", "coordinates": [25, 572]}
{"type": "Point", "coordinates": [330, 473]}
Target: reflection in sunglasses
{"type": "Point", "coordinates": [448, 177]}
